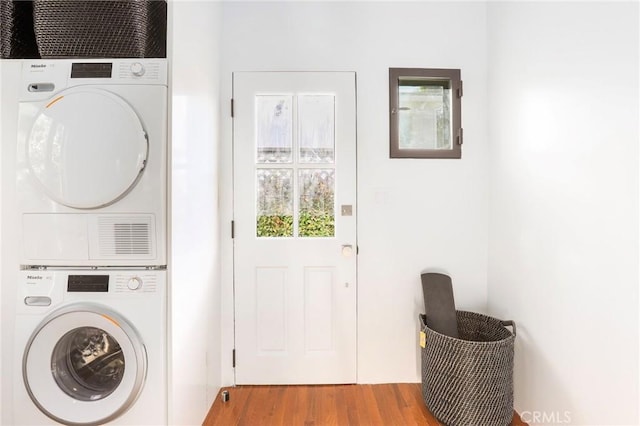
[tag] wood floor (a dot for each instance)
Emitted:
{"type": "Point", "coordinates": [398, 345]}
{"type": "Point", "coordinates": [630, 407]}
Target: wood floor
{"type": "Point", "coordinates": [366, 405]}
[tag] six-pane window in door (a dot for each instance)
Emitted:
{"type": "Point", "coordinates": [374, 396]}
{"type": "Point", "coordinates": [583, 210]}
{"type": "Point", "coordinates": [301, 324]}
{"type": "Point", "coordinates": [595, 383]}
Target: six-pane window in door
{"type": "Point", "coordinates": [295, 194]}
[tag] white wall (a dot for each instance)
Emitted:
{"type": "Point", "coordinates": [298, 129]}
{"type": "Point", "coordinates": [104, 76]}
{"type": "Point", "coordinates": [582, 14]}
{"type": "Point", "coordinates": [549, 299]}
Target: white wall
{"type": "Point", "coordinates": [9, 262]}
{"type": "Point", "coordinates": [194, 266]}
{"type": "Point", "coordinates": [413, 214]}
{"type": "Point", "coordinates": [563, 256]}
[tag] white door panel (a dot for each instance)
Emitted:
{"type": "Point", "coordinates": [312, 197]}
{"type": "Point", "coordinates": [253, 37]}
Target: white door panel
{"type": "Point", "coordinates": [295, 284]}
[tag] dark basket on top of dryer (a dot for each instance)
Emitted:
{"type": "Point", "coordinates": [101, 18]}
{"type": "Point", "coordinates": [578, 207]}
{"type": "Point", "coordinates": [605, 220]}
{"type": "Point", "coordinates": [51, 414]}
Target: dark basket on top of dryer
{"type": "Point", "coordinates": [100, 29]}
{"type": "Point", "coordinates": [17, 40]}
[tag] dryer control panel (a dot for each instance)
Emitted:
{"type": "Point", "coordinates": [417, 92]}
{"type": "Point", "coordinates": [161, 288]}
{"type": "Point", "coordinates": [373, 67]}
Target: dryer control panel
{"type": "Point", "coordinates": [91, 69]}
{"type": "Point", "coordinates": [42, 78]}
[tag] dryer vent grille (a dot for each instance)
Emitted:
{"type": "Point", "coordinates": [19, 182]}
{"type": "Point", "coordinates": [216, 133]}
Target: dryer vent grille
{"type": "Point", "coordinates": [131, 238]}
{"type": "Point", "coordinates": [125, 236]}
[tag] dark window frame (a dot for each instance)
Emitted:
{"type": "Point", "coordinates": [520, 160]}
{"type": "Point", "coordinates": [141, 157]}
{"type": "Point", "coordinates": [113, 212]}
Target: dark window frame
{"type": "Point", "coordinates": [452, 75]}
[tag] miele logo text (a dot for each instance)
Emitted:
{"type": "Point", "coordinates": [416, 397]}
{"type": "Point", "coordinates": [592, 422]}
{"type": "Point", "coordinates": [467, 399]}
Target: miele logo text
{"type": "Point", "coordinates": [34, 277]}
{"type": "Point", "coordinates": [38, 65]}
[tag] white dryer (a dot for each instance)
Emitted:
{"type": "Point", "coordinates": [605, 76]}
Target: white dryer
{"type": "Point", "coordinates": [91, 348]}
{"type": "Point", "coordinates": [92, 162]}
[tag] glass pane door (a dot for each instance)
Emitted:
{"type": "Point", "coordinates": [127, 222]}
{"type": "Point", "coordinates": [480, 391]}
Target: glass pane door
{"type": "Point", "coordinates": [295, 195]}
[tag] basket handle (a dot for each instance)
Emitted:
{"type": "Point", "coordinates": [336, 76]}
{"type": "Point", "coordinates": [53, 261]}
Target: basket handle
{"type": "Point", "coordinates": [423, 320]}
{"type": "Point", "coordinates": [509, 323]}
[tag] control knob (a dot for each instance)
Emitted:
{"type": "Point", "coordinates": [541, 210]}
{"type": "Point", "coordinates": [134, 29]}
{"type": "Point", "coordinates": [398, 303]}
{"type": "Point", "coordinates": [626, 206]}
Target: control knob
{"type": "Point", "coordinates": [137, 69]}
{"type": "Point", "coordinates": [134, 283]}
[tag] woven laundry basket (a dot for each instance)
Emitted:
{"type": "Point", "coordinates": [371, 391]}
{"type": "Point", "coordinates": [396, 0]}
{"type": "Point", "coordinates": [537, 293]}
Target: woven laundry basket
{"type": "Point", "coordinates": [17, 40]}
{"type": "Point", "coordinates": [100, 29]}
{"type": "Point", "coordinates": [469, 381]}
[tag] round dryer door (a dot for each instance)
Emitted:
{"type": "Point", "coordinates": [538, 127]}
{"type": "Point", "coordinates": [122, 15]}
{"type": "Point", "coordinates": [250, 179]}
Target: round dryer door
{"type": "Point", "coordinates": [87, 148]}
{"type": "Point", "coordinates": [84, 365]}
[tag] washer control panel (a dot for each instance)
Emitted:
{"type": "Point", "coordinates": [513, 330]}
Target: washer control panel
{"type": "Point", "coordinates": [133, 282]}
{"type": "Point", "coordinates": [41, 290]}
{"type": "Point", "coordinates": [42, 283]}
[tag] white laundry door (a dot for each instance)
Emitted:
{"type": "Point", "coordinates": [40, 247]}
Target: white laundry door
{"type": "Point", "coordinates": [295, 227]}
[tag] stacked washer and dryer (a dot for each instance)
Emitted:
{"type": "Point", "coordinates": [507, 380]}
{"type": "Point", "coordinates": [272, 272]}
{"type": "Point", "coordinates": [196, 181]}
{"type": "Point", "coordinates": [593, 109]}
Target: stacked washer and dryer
{"type": "Point", "coordinates": [92, 194]}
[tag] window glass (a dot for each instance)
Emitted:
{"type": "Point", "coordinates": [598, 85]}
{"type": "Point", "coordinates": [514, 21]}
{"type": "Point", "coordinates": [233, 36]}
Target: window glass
{"type": "Point", "coordinates": [274, 203]}
{"type": "Point", "coordinates": [274, 130]}
{"type": "Point", "coordinates": [317, 206]}
{"type": "Point", "coordinates": [424, 115]}
{"type": "Point", "coordinates": [316, 122]}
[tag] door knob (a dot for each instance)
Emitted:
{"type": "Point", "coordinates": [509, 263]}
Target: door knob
{"type": "Point", "coordinates": [347, 250]}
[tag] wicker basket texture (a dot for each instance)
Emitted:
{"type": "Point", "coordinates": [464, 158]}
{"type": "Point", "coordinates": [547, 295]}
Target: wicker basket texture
{"type": "Point", "coordinates": [100, 29]}
{"type": "Point", "coordinates": [17, 40]}
{"type": "Point", "coordinates": [469, 381]}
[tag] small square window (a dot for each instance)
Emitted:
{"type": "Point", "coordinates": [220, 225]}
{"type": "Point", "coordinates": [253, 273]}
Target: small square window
{"type": "Point", "coordinates": [425, 113]}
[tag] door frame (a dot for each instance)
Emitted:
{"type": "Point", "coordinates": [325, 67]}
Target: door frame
{"type": "Point", "coordinates": [226, 257]}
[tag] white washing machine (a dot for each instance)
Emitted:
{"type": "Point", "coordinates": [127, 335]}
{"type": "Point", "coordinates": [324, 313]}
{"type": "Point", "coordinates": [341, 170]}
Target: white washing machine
{"type": "Point", "coordinates": [92, 162]}
{"type": "Point", "coordinates": [91, 347]}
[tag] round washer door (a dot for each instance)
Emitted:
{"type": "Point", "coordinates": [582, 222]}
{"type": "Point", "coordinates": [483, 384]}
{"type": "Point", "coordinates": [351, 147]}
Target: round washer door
{"type": "Point", "coordinates": [87, 148]}
{"type": "Point", "coordinates": [84, 365]}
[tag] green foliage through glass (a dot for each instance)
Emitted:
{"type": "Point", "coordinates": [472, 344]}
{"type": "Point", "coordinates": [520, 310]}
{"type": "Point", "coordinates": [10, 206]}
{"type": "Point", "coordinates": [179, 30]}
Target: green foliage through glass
{"type": "Point", "coordinates": [275, 226]}
{"type": "Point", "coordinates": [310, 225]}
{"type": "Point", "coordinates": [321, 225]}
